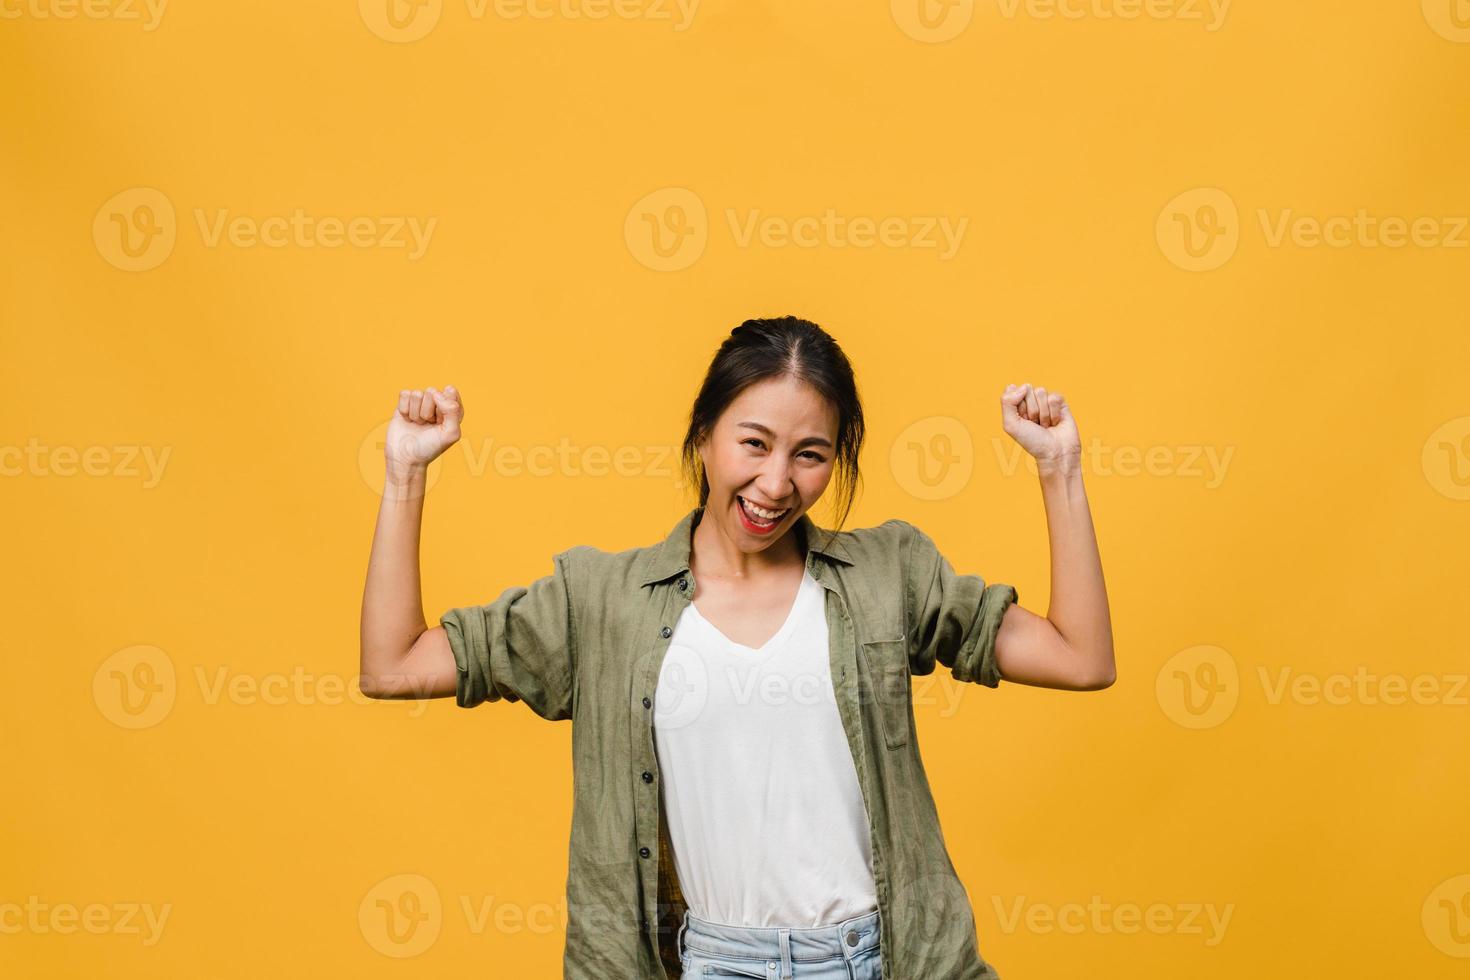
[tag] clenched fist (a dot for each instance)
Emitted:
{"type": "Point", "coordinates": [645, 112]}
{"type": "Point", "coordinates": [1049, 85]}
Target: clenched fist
{"type": "Point", "coordinates": [425, 424]}
{"type": "Point", "coordinates": [1041, 422]}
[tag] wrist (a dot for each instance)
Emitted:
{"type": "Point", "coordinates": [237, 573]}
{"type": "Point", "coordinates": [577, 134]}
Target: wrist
{"type": "Point", "coordinates": [406, 479]}
{"type": "Point", "coordinates": [1064, 466]}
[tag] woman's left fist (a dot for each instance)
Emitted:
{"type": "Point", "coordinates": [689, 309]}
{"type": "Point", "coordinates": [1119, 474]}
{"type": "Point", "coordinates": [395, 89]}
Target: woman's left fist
{"type": "Point", "coordinates": [1041, 422]}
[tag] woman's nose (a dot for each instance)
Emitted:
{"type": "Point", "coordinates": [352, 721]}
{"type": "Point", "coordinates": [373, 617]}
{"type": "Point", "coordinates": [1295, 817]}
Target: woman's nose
{"type": "Point", "coordinates": [774, 482]}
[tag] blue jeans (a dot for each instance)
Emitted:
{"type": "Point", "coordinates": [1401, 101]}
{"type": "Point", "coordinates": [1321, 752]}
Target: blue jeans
{"type": "Point", "coordinates": [847, 950]}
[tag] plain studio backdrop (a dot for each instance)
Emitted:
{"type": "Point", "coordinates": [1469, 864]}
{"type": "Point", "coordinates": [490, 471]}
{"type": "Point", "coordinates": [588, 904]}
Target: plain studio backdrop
{"type": "Point", "coordinates": [1232, 234]}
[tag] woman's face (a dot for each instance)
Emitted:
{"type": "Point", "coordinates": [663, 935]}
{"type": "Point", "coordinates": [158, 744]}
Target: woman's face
{"type": "Point", "coordinates": [772, 449]}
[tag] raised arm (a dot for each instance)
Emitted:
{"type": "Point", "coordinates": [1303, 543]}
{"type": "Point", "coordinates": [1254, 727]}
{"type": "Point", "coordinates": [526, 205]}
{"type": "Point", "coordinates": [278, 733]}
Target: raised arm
{"type": "Point", "coordinates": [401, 657]}
{"type": "Point", "coordinates": [1071, 648]}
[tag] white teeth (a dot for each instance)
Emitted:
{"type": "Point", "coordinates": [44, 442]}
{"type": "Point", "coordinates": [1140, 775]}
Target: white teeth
{"type": "Point", "coordinates": [761, 512]}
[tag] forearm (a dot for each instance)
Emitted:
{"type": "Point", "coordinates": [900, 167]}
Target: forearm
{"type": "Point", "coordinates": [1079, 600]}
{"type": "Point", "coordinates": [392, 599]}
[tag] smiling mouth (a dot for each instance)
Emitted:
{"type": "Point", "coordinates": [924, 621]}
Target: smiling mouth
{"type": "Point", "coordinates": [761, 516]}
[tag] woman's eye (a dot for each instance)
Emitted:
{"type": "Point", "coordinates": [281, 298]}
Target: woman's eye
{"type": "Point", "coordinates": [811, 454]}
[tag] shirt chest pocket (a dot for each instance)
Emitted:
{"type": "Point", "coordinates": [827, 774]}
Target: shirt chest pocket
{"type": "Point", "coordinates": [888, 674]}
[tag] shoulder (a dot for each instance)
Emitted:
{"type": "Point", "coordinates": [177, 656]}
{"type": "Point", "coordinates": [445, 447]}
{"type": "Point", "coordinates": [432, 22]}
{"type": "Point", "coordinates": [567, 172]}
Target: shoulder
{"type": "Point", "coordinates": [889, 539]}
{"type": "Point", "coordinates": [895, 543]}
{"type": "Point", "coordinates": [880, 554]}
{"type": "Point", "coordinates": [593, 569]}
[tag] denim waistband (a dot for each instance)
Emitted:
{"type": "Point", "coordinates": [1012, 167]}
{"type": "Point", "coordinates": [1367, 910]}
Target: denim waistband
{"type": "Point", "coordinates": [842, 939]}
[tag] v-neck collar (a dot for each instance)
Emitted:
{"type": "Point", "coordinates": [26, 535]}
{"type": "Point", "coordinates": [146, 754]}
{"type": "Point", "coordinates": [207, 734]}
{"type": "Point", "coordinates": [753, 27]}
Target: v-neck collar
{"type": "Point", "coordinates": [793, 615]}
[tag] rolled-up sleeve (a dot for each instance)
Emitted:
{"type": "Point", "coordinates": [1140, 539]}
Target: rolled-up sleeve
{"type": "Point", "coordinates": [952, 619]}
{"type": "Point", "coordinates": [520, 647]}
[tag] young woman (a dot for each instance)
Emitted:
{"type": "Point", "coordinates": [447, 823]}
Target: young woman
{"type": "Point", "coordinates": [749, 796]}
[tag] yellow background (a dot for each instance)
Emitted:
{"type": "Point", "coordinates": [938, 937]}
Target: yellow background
{"type": "Point", "coordinates": [1334, 378]}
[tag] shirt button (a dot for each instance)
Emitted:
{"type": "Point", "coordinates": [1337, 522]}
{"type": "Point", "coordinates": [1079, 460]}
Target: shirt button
{"type": "Point", "coordinates": [647, 703]}
{"type": "Point", "coordinates": [643, 852]}
{"type": "Point", "coordinates": [683, 584]}
{"type": "Point", "coordinates": [852, 938]}
{"type": "Point", "coordinates": [647, 776]}
{"type": "Point", "coordinates": [666, 632]}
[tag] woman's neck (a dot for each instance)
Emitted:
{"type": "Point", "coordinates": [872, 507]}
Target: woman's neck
{"type": "Point", "coordinates": [715, 552]}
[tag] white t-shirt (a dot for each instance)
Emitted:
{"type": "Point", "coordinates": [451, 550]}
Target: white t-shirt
{"type": "Point", "coordinates": [764, 810]}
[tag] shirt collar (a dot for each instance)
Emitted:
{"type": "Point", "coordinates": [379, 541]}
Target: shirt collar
{"type": "Point", "coordinates": [671, 556]}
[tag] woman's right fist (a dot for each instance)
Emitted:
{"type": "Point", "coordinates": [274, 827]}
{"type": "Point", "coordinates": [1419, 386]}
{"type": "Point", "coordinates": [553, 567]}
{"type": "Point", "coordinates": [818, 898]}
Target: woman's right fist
{"type": "Point", "coordinates": [425, 424]}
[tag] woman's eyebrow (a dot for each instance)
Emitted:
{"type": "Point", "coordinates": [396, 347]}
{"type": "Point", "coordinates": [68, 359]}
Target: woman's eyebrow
{"type": "Point", "coordinates": [808, 441]}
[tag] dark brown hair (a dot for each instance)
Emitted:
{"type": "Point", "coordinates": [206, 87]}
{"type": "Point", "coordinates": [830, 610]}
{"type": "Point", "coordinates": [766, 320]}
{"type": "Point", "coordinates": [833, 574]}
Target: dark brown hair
{"type": "Point", "coordinates": [774, 348]}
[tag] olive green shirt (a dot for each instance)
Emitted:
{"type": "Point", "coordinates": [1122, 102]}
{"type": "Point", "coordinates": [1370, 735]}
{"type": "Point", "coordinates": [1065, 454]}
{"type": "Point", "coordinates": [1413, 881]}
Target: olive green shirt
{"type": "Point", "coordinates": [586, 642]}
